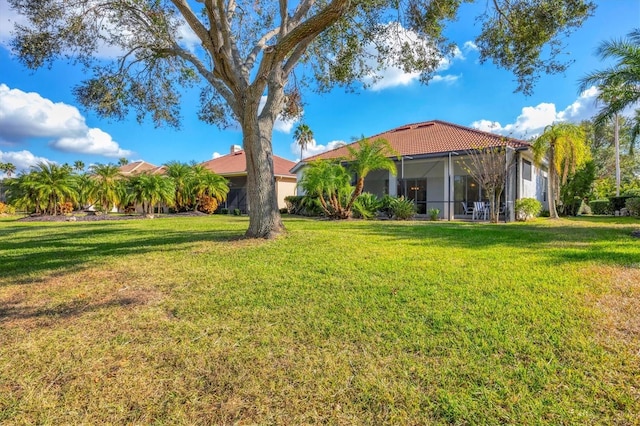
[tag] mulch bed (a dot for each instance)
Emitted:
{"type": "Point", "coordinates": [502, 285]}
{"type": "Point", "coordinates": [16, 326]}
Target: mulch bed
{"type": "Point", "coordinates": [100, 217]}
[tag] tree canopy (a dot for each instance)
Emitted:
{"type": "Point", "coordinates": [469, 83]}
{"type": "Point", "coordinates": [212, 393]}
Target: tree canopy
{"type": "Point", "coordinates": [619, 83]}
{"type": "Point", "coordinates": [244, 54]}
{"type": "Point", "coordinates": [564, 147]}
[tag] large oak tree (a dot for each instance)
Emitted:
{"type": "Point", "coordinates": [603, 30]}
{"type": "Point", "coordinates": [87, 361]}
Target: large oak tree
{"type": "Point", "coordinates": [248, 50]}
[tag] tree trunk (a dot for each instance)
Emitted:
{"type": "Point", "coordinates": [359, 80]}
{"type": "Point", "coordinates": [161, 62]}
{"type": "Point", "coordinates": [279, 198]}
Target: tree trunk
{"type": "Point", "coordinates": [551, 184]}
{"type": "Point", "coordinates": [616, 138]}
{"type": "Point", "coordinates": [264, 216]}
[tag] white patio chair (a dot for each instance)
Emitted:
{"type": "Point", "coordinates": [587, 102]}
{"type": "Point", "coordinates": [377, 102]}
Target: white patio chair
{"type": "Point", "coordinates": [479, 209]}
{"type": "Point", "coordinates": [466, 209]}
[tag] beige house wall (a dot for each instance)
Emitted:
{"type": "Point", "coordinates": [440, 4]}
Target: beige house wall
{"type": "Point", "coordinates": [285, 187]}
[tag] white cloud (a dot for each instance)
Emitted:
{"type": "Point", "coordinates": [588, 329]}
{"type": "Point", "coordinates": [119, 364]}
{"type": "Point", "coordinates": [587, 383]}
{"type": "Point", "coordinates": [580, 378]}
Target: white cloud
{"type": "Point", "coordinates": [447, 79]}
{"type": "Point", "coordinates": [313, 148]}
{"type": "Point", "coordinates": [7, 20]}
{"type": "Point", "coordinates": [280, 125]}
{"type": "Point", "coordinates": [392, 75]}
{"type": "Point", "coordinates": [187, 37]}
{"type": "Point", "coordinates": [470, 46]}
{"type": "Point", "coordinates": [95, 141]}
{"type": "Point", "coordinates": [216, 155]}
{"type": "Point", "coordinates": [533, 119]}
{"type": "Point", "coordinates": [29, 115]}
{"type": "Point", "coordinates": [23, 160]}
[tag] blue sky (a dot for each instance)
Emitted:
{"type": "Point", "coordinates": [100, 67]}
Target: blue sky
{"type": "Point", "coordinates": [41, 120]}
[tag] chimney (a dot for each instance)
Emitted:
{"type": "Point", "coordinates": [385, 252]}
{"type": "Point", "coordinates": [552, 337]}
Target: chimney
{"type": "Point", "coordinates": [235, 148]}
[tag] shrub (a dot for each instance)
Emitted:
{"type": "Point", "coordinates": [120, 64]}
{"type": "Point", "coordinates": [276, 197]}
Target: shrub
{"type": "Point", "coordinates": [237, 212]}
{"type": "Point", "coordinates": [65, 208]}
{"type": "Point", "coordinates": [284, 210]}
{"type": "Point", "coordinates": [403, 209]}
{"type": "Point", "coordinates": [527, 208]}
{"type": "Point", "coordinates": [434, 214]}
{"type": "Point", "coordinates": [224, 211]}
{"type": "Point", "coordinates": [601, 207]}
{"type": "Point", "coordinates": [386, 205]}
{"type": "Point", "coordinates": [294, 203]}
{"type": "Point", "coordinates": [633, 192]}
{"type": "Point", "coordinates": [7, 208]}
{"type": "Point", "coordinates": [633, 206]}
{"type": "Point", "coordinates": [208, 204]}
{"type": "Point", "coordinates": [618, 203]}
{"type": "Point", "coordinates": [366, 206]}
{"type": "Point", "coordinates": [571, 207]}
{"type": "Point", "coordinates": [305, 205]}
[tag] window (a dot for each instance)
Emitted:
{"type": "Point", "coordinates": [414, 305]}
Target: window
{"type": "Point", "coordinates": [526, 170]}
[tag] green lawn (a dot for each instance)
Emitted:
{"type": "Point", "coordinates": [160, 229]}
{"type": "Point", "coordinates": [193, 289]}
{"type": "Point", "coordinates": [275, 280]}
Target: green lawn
{"type": "Point", "coordinates": [176, 321]}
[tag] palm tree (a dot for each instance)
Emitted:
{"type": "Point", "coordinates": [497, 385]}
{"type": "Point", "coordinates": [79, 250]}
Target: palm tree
{"type": "Point", "coordinates": [206, 182]}
{"type": "Point", "coordinates": [635, 131]}
{"type": "Point", "coordinates": [623, 77]}
{"type": "Point", "coordinates": [8, 168]}
{"type": "Point", "coordinates": [55, 184]}
{"type": "Point", "coordinates": [78, 165]}
{"type": "Point", "coordinates": [84, 186]}
{"type": "Point", "coordinates": [564, 146]}
{"type": "Point", "coordinates": [303, 136]}
{"type": "Point", "coordinates": [149, 190]}
{"type": "Point", "coordinates": [367, 157]}
{"type": "Point", "coordinates": [23, 194]}
{"type": "Point", "coordinates": [123, 161]}
{"type": "Point", "coordinates": [104, 190]}
{"type": "Point", "coordinates": [182, 175]}
{"type": "Point", "coordinates": [331, 184]}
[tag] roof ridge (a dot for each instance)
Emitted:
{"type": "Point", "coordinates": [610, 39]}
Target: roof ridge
{"type": "Point", "coordinates": [482, 132]}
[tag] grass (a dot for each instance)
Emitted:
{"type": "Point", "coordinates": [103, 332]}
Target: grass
{"type": "Point", "coordinates": [175, 321]}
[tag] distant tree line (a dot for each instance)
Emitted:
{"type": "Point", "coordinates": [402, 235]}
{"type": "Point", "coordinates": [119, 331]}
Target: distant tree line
{"type": "Point", "coordinates": [52, 189]}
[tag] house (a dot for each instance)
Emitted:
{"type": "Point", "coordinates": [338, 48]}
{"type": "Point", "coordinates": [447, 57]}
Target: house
{"type": "Point", "coordinates": [233, 166]}
{"type": "Point", "coordinates": [137, 167]}
{"type": "Point", "coordinates": [431, 168]}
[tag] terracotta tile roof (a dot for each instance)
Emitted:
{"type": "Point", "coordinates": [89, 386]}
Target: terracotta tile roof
{"type": "Point", "coordinates": [138, 167]}
{"type": "Point", "coordinates": [431, 138]}
{"type": "Point", "coordinates": [235, 164]}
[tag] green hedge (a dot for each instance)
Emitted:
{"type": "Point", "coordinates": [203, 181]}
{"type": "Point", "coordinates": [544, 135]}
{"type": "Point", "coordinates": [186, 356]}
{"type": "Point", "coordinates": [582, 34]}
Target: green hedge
{"type": "Point", "coordinates": [633, 205]}
{"type": "Point", "coordinates": [603, 207]}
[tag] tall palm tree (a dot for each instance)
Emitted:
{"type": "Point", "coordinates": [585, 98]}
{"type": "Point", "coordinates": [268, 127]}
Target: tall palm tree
{"type": "Point", "coordinates": [104, 191]}
{"type": "Point", "coordinates": [623, 77]}
{"type": "Point", "coordinates": [55, 184]}
{"type": "Point", "coordinates": [123, 161]}
{"type": "Point", "coordinates": [182, 175]}
{"type": "Point", "coordinates": [367, 157]}
{"type": "Point", "coordinates": [8, 168]}
{"type": "Point", "coordinates": [78, 166]}
{"type": "Point", "coordinates": [635, 131]}
{"type": "Point", "coordinates": [303, 136]}
{"type": "Point", "coordinates": [564, 146]}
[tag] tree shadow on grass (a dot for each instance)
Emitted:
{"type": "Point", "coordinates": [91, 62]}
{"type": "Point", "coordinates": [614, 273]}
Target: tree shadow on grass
{"type": "Point", "coordinates": [19, 315]}
{"type": "Point", "coordinates": [56, 250]}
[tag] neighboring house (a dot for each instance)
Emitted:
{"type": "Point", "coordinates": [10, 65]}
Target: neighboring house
{"type": "Point", "coordinates": [233, 167]}
{"type": "Point", "coordinates": [137, 167]}
{"type": "Point", "coordinates": [431, 172]}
